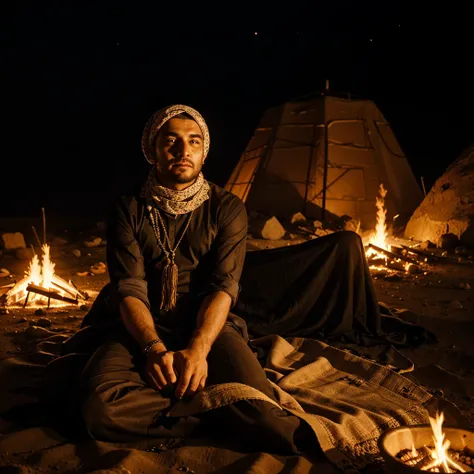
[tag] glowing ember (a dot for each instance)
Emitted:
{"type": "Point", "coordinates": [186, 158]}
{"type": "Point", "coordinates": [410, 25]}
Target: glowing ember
{"type": "Point", "coordinates": [42, 277]}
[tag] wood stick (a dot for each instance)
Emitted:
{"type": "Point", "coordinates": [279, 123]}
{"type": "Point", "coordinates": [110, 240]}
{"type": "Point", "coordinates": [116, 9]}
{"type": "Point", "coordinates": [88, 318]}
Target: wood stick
{"type": "Point", "coordinates": [81, 293]}
{"type": "Point", "coordinates": [393, 255]}
{"type": "Point", "coordinates": [49, 294]}
{"type": "Point", "coordinates": [36, 235]}
{"type": "Point", "coordinates": [33, 249]}
{"type": "Point", "coordinates": [63, 289]}
{"type": "Point", "coordinates": [44, 225]}
{"type": "Point", "coordinates": [421, 253]}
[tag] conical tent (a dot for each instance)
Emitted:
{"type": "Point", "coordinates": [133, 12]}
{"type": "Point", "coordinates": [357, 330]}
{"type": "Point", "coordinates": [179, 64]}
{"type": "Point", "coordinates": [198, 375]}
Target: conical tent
{"type": "Point", "coordinates": [325, 156]}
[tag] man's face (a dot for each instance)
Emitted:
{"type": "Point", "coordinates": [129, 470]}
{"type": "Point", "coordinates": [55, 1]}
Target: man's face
{"type": "Point", "coordinates": [179, 151]}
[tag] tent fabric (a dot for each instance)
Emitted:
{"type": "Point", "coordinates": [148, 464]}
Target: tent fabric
{"type": "Point", "coordinates": [289, 166]}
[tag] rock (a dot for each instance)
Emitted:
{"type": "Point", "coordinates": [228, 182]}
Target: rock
{"type": "Point", "coordinates": [24, 254]}
{"type": "Point", "coordinates": [44, 322]}
{"type": "Point", "coordinates": [317, 224]}
{"type": "Point", "coordinates": [4, 272]}
{"type": "Point", "coordinates": [322, 232]}
{"type": "Point", "coordinates": [458, 251]}
{"type": "Point", "coordinates": [98, 268]}
{"type": "Point", "coordinates": [59, 241]}
{"type": "Point", "coordinates": [76, 253]}
{"type": "Point", "coordinates": [449, 241]}
{"type": "Point", "coordinates": [82, 274]}
{"type": "Point", "coordinates": [449, 206]}
{"type": "Point", "coordinates": [297, 217]}
{"type": "Point", "coordinates": [464, 286]}
{"type": "Point", "coordinates": [93, 242]}
{"type": "Point", "coordinates": [84, 307]}
{"type": "Point", "coordinates": [269, 229]}
{"type": "Point", "coordinates": [427, 244]}
{"type": "Point", "coordinates": [40, 312]}
{"type": "Point", "coordinates": [13, 240]}
{"type": "Point", "coordinates": [272, 230]}
{"type": "Point", "coordinates": [35, 332]}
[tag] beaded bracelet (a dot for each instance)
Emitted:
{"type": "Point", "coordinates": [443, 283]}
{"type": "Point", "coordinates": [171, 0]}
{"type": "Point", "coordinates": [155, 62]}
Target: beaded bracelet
{"type": "Point", "coordinates": [148, 347]}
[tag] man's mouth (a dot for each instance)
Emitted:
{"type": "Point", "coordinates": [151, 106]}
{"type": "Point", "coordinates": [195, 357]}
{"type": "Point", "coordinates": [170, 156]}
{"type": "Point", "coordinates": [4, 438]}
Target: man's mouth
{"type": "Point", "coordinates": [182, 164]}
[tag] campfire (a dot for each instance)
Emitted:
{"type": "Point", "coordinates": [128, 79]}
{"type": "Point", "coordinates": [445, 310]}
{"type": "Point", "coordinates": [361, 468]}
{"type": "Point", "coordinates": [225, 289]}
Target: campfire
{"type": "Point", "coordinates": [438, 457]}
{"type": "Point", "coordinates": [41, 286]}
{"type": "Point", "coordinates": [383, 257]}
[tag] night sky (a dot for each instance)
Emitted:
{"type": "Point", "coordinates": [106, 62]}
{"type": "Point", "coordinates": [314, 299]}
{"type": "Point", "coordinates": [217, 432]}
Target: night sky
{"type": "Point", "coordinates": [79, 80]}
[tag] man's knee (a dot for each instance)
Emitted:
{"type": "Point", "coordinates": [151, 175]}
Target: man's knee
{"type": "Point", "coordinates": [229, 337]}
{"type": "Point", "coordinates": [97, 416]}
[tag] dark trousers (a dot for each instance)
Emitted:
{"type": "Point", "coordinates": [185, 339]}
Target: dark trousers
{"type": "Point", "coordinates": [119, 406]}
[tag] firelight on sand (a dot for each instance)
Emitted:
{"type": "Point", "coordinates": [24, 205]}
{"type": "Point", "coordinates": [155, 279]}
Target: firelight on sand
{"type": "Point", "coordinates": [42, 277]}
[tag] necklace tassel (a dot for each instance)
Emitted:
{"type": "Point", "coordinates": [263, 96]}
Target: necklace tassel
{"type": "Point", "coordinates": [169, 286]}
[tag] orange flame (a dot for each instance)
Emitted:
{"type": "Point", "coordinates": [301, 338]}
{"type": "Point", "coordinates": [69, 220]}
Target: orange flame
{"type": "Point", "coordinates": [440, 452]}
{"type": "Point", "coordinates": [379, 237]}
{"type": "Point", "coordinates": [41, 275]}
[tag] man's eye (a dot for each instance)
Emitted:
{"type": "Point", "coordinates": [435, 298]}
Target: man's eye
{"type": "Point", "coordinates": [170, 140]}
{"type": "Point", "coordinates": [195, 142]}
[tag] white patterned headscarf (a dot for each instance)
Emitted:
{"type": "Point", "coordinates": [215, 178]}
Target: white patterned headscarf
{"type": "Point", "coordinates": [158, 119]}
{"type": "Point", "coordinates": [169, 200]}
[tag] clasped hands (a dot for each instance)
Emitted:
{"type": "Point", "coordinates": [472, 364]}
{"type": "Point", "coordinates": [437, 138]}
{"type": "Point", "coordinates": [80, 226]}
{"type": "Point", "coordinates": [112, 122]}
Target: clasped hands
{"type": "Point", "coordinates": [185, 370]}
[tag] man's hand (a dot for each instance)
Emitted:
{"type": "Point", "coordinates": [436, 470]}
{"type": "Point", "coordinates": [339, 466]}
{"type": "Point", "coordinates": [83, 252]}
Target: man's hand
{"type": "Point", "coordinates": [191, 366]}
{"type": "Point", "coordinates": [159, 369]}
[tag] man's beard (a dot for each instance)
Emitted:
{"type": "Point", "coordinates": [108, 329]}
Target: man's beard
{"type": "Point", "coordinates": [182, 177]}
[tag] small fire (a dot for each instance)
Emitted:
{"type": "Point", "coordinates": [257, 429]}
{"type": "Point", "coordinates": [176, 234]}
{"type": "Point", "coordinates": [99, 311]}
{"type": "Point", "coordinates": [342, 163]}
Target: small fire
{"type": "Point", "coordinates": [439, 454]}
{"type": "Point", "coordinates": [438, 457]}
{"type": "Point", "coordinates": [379, 237]}
{"type": "Point", "coordinates": [41, 277]}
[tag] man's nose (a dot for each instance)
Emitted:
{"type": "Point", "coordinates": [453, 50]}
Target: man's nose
{"type": "Point", "coordinates": [183, 149]}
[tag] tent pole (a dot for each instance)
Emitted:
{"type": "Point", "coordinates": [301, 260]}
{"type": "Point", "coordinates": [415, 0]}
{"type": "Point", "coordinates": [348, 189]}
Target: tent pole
{"type": "Point", "coordinates": [325, 175]}
{"type": "Point", "coordinates": [308, 174]}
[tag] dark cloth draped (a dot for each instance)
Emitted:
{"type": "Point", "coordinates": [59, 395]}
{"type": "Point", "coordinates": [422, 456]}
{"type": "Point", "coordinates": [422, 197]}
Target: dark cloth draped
{"type": "Point", "coordinates": [319, 289]}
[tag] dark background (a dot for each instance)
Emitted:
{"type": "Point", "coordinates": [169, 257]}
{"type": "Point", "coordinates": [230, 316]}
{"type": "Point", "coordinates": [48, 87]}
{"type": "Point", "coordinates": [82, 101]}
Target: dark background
{"type": "Point", "coordinates": [80, 79]}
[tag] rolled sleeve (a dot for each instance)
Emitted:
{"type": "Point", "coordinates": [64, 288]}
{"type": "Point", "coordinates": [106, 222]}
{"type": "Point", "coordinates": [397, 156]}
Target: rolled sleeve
{"type": "Point", "coordinates": [230, 249]}
{"type": "Point", "coordinates": [124, 256]}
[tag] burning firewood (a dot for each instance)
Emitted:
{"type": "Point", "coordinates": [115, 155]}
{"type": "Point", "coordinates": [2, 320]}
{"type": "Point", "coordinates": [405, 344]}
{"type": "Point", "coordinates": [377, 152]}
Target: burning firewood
{"type": "Point", "coordinates": [392, 255]}
{"type": "Point", "coordinates": [48, 293]}
{"type": "Point", "coordinates": [41, 284]}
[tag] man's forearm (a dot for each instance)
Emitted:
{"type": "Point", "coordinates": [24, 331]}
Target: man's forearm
{"type": "Point", "coordinates": [138, 321]}
{"type": "Point", "coordinates": [210, 320]}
